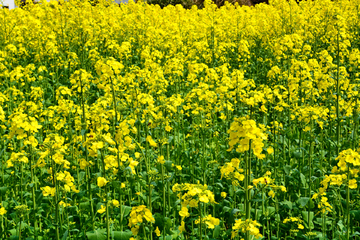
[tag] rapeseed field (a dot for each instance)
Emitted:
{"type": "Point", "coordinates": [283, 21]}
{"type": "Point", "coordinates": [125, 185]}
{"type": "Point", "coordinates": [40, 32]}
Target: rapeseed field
{"type": "Point", "coordinates": [138, 122]}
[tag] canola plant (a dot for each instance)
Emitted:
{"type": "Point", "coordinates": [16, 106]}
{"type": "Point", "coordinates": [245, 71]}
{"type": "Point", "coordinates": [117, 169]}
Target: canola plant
{"type": "Point", "coordinates": [133, 121]}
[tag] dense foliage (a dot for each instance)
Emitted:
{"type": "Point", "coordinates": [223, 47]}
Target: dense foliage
{"type": "Point", "coordinates": [136, 122]}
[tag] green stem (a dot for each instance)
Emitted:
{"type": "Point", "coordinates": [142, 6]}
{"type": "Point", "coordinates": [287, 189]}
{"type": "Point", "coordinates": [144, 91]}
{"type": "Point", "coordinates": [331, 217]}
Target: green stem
{"type": "Point", "coordinates": [21, 183]}
{"type": "Point", "coordinates": [247, 190]}
{"type": "Point", "coordinates": [310, 167]}
{"type": "Point", "coordinates": [338, 94]}
{"type": "Point", "coordinates": [56, 199]}
{"type": "Point", "coordinates": [33, 191]}
{"type": "Point", "coordinates": [88, 175]}
{"type": "Point", "coordinates": [121, 212]}
{"type": "Point", "coordinates": [20, 229]}
{"type": "Point", "coordinates": [163, 190]}
{"type": "Point", "coordinates": [348, 205]}
{"type": "Point", "coordinates": [200, 211]}
{"type": "Point", "coordinates": [107, 219]}
{"type": "Point", "coordinates": [323, 226]}
{"type": "Point", "coordinates": [277, 214]}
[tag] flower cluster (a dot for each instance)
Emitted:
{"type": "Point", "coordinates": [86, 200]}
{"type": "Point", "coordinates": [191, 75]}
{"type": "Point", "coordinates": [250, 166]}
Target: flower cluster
{"type": "Point", "coordinates": [232, 171]}
{"type": "Point", "coordinates": [2, 210]}
{"type": "Point", "coordinates": [192, 194]}
{"type": "Point", "coordinates": [295, 220]}
{"type": "Point", "coordinates": [137, 216]}
{"type": "Point", "coordinates": [68, 181]}
{"type": "Point", "coordinates": [246, 135]}
{"type": "Point", "coordinates": [209, 220]}
{"type": "Point", "coordinates": [248, 225]}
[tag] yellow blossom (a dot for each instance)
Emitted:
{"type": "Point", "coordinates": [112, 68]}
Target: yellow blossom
{"type": "Point", "coordinates": [48, 191]}
{"type": "Point", "coordinates": [102, 209]}
{"type": "Point", "coordinates": [2, 211]}
{"type": "Point", "coordinates": [101, 181]}
{"type": "Point", "coordinates": [157, 231]}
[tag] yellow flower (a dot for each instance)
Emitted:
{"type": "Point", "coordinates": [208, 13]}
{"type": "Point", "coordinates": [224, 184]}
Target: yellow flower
{"type": "Point", "coordinates": [204, 199]}
{"type": "Point", "coordinates": [300, 226]}
{"type": "Point", "coordinates": [151, 141]}
{"type": "Point", "coordinates": [137, 155]}
{"type": "Point", "coordinates": [256, 181]}
{"type": "Point", "coordinates": [102, 209]}
{"type": "Point", "coordinates": [2, 211]}
{"type": "Point", "coordinates": [184, 212]}
{"type": "Point", "coordinates": [182, 227]}
{"type": "Point", "coordinates": [48, 191]}
{"type": "Point", "coordinates": [122, 185]}
{"type": "Point", "coordinates": [157, 231]}
{"type": "Point", "coordinates": [148, 215]}
{"type": "Point", "coordinates": [108, 139]}
{"type": "Point", "coordinates": [223, 194]}
{"type": "Point", "coordinates": [101, 181]}
{"type": "Point", "coordinates": [306, 129]}
{"type": "Point", "coordinates": [352, 184]}
{"type": "Point", "coordinates": [271, 194]}
{"type": "Point", "coordinates": [168, 128]}
{"type": "Point", "coordinates": [161, 159]}
{"type": "Point", "coordinates": [62, 203]}
{"type": "Point", "coordinates": [135, 230]}
{"type": "Point", "coordinates": [193, 203]}
{"type": "Point", "coordinates": [211, 222]}
{"type": "Point", "coordinates": [270, 150]}
{"type": "Point", "coordinates": [115, 203]}
{"type": "Point", "coordinates": [83, 163]}
{"type": "Point", "coordinates": [132, 165]}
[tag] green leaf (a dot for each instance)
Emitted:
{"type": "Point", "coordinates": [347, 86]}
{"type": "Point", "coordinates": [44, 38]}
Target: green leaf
{"type": "Point", "coordinates": [168, 166]}
{"type": "Point", "coordinates": [3, 190]}
{"type": "Point", "coordinates": [125, 210]}
{"type": "Point", "coordinates": [122, 235]}
{"type": "Point", "coordinates": [65, 235]}
{"type": "Point", "coordinates": [13, 232]}
{"type": "Point", "coordinates": [355, 234]}
{"type": "Point", "coordinates": [270, 210]}
{"type": "Point", "coordinates": [303, 201]}
{"type": "Point", "coordinates": [287, 169]}
{"type": "Point", "coordinates": [233, 212]}
{"type": "Point", "coordinates": [287, 203]}
{"type": "Point", "coordinates": [98, 234]}
{"type": "Point", "coordinates": [83, 132]}
{"type": "Point", "coordinates": [217, 231]}
{"type": "Point", "coordinates": [258, 213]}
{"type": "Point", "coordinates": [341, 225]}
{"type": "Point", "coordinates": [303, 179]}
{"type": "Point", "coordinates": [355, 214]}
{"type": "Point", "coordinates": [305, 215]}
{"type": "Point", "coordinates": [320, 236]}
{"type": "Point", "coordinates": [81, 176]}
{"type": "Point", "coordinates": [168, 223]}
{"type": "Point", "coordinates": [226, 209]}
{"type": "Point", "coordinates": [298, 155]}
{"type": "Point", "coordinates": [116, 184]}
{"type": "Point", "coordinates": [175, 234]}
{"type": "Point", "coordinates": [84, 206]}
